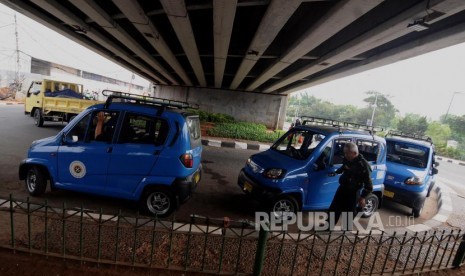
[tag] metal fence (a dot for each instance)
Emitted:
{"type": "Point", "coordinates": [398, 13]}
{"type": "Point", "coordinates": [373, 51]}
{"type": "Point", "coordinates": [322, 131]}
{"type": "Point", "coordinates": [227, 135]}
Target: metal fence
{"type": "Point", "coordinates": [219, 245]}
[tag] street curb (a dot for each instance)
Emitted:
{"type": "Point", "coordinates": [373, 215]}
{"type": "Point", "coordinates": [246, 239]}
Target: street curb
{"type": "Point", "coordinates": [449, 160]}
{"type": "Point", "coordinates": [444, 210]}
{"type": "Point", "coordinates": [10, 103]}
{"type": "Point", "coordinates": [234, 145]}
{"type": "Point", "coordinates": [444, 200]}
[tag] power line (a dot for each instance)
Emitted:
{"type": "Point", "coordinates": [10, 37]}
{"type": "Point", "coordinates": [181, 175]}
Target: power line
{"type": "Point", "coordinates": [6, 25]}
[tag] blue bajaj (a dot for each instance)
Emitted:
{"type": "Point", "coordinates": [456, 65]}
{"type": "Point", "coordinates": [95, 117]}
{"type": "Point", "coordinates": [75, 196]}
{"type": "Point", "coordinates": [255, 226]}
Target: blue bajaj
{"type": "Point", "coordinates": [411, 169]}
{"type": "Point", "coordinates": [295, 173]}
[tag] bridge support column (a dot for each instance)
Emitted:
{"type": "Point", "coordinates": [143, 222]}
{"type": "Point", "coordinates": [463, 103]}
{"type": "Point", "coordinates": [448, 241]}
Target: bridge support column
{"type": "Point", "coordinates": [267, 109]}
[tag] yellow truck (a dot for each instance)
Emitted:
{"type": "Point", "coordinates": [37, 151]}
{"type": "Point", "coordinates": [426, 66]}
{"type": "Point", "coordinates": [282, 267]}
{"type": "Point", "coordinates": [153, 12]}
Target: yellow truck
{"type": "Point", "coordinates": [58, 101]}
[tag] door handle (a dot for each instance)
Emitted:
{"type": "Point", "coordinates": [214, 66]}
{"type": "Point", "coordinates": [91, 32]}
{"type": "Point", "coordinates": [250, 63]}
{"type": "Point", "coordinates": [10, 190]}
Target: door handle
{"type": "Point", "coordinates": [109, 149]}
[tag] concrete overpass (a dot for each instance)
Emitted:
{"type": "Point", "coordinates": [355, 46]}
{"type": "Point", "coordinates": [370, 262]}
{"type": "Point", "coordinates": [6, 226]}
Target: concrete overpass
{"type": "Point", "coordinates": [243, 57]}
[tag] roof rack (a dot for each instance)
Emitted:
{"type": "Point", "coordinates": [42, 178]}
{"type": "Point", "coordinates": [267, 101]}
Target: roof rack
{"type": "Point", "coordinates": [111, 94]}
{"type": "Point", "coordinates": [310, 120]}
{"type": "Point", "coordinates": [409, 135]}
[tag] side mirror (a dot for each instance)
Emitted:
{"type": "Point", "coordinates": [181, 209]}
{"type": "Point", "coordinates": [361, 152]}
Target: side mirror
{"type": "Point", "coordinates": [36, 92]}
{"type": "Point", "coordinates": [435, 171]}
{"type": "Point", "coordinates": [319, 166]}
{"type": "Point", "coordinates": [70, 139]}
{"type": "Point", "coordinates": [436, 164]}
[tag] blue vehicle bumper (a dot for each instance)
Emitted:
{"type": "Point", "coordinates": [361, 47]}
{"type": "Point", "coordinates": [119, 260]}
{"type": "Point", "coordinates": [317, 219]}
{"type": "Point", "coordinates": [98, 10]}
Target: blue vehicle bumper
{"type": "Point", "coordinates": [185, 187]}
{"type": "Point", "coordinates": [253, 188]}
{"type": "Point", "coordinates": [408, 198]}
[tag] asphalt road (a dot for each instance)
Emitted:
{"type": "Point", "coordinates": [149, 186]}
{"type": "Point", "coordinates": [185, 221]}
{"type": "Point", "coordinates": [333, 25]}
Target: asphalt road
{"type": "Point", "coordinates": [217, 195]}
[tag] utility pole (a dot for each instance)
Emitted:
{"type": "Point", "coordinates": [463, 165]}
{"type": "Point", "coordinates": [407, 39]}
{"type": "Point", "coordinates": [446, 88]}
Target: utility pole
{"type": "Point", "coordinates": [451, 100]}
{"type": "Point", "coordinates": [18, 68]}
{"type": "Point", "coordinates": [374, 109]}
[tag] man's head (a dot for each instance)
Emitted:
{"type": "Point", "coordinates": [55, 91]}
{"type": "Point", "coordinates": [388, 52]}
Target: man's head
{"type": "Point", "coordinates": [350, 151]}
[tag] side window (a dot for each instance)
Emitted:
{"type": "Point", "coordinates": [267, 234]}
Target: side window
{"type": "Point", "coordinates": [193, 123]}
{"type": "Point", "coordinates": [369, 150]}
{"type": "Point", "coordinates": [103, 126]}
{"type": "Point", "coordinates": [78, 132]}
{"type": "Point", "coordinates": [140, 129]}
{"type": "Point", "coordinates": [323, 161]}
{"type": "Point", "coordinates": [338, 152]}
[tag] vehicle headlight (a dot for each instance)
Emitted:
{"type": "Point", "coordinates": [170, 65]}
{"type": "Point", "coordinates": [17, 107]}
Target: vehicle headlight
{"type": "Point", "coordinates": [415, 180]}
{"type": "Point", "coordinates": [274, 173]}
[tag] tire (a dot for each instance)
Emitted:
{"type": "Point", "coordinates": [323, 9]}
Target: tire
{"type": "Point", "coordinates": [36, 182]}
{"type": "Point", "coordinates": [158, 202]}
{"type": "Point", "coordinates": [430, 188]}
{"type": "Point", "coordinates": [38, 118]}
{"type": "Point", "coordinates": [416, 212]}
{"type": "Point", "coordinates": [284, 204]}
{"type": "Point", "coordinates": [371, 205]}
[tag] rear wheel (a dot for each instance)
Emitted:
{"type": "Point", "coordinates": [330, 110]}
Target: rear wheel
{"type": "Point", "coordinates": [38, 118]}
{"type": "Point", "coordinates": [371, 205]}
{"type": "Point", "coordinates": [36, 182]}
{"type": "Point", "coordinates": [158, 201]}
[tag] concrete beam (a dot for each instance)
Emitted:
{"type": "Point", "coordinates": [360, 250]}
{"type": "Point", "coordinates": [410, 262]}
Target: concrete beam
{"type": "Point", "coordinates": [340, 16]}
{"type": "Point", "coordinates": [179, 18]}
{"type": "Point", "coordinates": [432, 42]}
{"type": "Point", "coordinates": [91, 9]}
{"type": "Point", "coordinates": [224, 12]}
{"type": "Point", "coordinates": [390, 30]}
{"type": "Point", "coordinates": [276, 16]}
{"type": "Point", "coordinates": [70, 19]}
{"type": "Point", "coordinates": [134, 13]}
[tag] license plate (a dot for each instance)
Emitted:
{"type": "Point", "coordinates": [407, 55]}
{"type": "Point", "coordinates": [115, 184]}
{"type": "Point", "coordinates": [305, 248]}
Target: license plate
{"type": "Point", "coordinates": [248, 187]}
{"type": "Point", "coordinates": [388, 194]}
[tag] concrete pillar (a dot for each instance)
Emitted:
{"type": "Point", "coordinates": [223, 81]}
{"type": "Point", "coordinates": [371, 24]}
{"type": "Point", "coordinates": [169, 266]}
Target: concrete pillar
{"type": "Point", "coordinates": [266, 109]}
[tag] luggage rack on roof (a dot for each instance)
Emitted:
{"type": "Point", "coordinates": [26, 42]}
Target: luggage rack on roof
{"type": "Point", "coordinates": [396, 133]}
{"type": "Point", "coordinates": [144, 99]}
{"type": "Point", "coordinates": [335, 123]}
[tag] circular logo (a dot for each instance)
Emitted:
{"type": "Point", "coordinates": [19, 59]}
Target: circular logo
{"type": "Point", "coordinates": [77, 169]}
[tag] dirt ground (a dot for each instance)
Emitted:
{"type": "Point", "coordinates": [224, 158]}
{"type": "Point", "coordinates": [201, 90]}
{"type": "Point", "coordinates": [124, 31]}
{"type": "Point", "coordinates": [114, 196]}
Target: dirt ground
{"type": "Point", "coordinates": [24, 264]}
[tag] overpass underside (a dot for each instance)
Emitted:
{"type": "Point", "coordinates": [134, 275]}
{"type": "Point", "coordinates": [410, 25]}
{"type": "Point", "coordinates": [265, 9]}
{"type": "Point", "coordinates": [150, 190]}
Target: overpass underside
{"type": "Point", "coordinates": [240, 56]}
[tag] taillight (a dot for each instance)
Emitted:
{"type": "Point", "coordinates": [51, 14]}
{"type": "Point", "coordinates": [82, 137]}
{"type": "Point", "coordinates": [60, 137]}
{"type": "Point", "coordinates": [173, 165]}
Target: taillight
{"type": "Point", "coordinates": [187, 160]}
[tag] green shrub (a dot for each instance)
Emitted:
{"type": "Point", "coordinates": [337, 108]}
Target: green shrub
{"type": "Point", "coordinates": [245, 131]}
{"type": "Point", "coordinates": [212, 117]}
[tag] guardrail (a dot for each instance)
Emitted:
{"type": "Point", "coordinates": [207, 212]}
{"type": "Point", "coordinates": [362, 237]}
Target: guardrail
{"type": "Point", "coordinates": [219, 245]}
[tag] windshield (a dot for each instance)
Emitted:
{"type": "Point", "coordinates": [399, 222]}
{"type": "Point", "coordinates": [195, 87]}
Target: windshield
{"type": "Point", "coordinates": [298, 143]}
{"type": "Point", "coordinates": [407, 154]}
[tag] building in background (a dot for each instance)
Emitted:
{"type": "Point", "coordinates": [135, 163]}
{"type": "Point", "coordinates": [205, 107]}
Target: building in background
{"type": "Point", "coordinates": [38, 69]}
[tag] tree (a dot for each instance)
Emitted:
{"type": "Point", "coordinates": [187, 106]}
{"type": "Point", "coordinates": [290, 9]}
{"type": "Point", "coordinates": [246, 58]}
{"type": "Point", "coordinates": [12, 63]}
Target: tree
{"type": "Point", "coordinates": [440, 133]}
{"type": "Point", "coordinates": [413, 123]}
{"type": "Point", "coordinates": [385, 111]}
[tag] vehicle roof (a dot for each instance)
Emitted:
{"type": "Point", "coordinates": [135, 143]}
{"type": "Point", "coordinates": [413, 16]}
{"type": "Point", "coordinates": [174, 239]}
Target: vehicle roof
{"type": "Point", "coordinates": [410, 140]}
{"type": "Point", "coordinates": [143, 108]}
{"type": "Point", "coordinates": [327, 130]}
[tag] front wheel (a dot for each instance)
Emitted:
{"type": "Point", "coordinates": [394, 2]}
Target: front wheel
{"type": "Point", "coordinates": [38, 118]}
{"type": "Point", "coordinates": [283, 205]}
{"type": "Point", "coordinates": [371, 205]}
{"type": "Point", "coordinates": [36, 182]}
{"type": "Point", "coordinates": [416, 212]}
{"type": "Point", "coordinates": [158, 201]}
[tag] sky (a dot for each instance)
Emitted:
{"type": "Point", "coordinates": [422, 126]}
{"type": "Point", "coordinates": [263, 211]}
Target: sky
{"type": "Point", "coordinates": [422, 85]}
{"type": "Point", "coordinates": [40, 42]}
